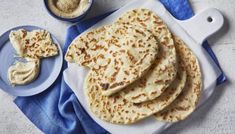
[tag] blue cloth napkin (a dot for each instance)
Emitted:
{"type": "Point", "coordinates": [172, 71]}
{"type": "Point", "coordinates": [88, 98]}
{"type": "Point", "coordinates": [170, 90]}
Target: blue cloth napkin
{"type": "Point", "coordinates": [57, 109]}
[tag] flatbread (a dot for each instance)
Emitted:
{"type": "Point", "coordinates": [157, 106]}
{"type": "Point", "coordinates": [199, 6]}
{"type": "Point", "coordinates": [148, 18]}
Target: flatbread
{"type": "Point", "coordinates": [118, 110]}
{"type": "Point", "coordinates": [187, 101]}
{"type": "Point", "coordinates": [122, 55]}
{"type": "Point", "coordinates": [35, 44]}
{"type": "Point", "coordinates": [164, 71]}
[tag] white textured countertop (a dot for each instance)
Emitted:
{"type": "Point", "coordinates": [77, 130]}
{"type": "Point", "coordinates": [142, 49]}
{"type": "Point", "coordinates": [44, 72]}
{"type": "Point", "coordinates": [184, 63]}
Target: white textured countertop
{"type": "Point", "coordinates": [217, 116]}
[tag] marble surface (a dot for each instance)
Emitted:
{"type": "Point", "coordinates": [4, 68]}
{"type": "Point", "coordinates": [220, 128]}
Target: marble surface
{"type": "Point", "coordinates": [217, 116]}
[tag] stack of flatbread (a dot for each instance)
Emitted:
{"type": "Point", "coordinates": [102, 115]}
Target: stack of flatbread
{"type": "Point", "coordinates": [138, 69]}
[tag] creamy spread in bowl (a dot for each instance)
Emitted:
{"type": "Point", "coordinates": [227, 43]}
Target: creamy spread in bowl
{"type": "Point", "coordinates": [68, 8]}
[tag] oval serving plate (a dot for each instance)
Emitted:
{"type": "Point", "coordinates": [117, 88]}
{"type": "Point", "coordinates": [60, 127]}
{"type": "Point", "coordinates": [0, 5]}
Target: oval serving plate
{"type": "Point", "coordinates": [49, 71]}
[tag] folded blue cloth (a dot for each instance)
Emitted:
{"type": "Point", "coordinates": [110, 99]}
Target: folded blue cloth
{"type": "Point", "coordinates": [57, 109]}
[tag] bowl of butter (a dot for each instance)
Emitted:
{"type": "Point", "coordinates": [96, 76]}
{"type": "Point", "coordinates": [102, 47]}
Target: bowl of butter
{"type": "Point", "coordinates": [68, 10]}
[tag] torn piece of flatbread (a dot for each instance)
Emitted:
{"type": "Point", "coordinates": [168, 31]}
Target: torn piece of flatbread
{"type": "Point", "coordinates": [35, 44]}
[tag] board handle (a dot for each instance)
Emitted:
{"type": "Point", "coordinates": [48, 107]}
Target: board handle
{"type": "Point", "coordinates": [203, 24]}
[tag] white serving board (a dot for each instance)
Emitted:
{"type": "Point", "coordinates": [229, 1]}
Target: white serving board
{"type": "Point", "coordinates": [193, 31]}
